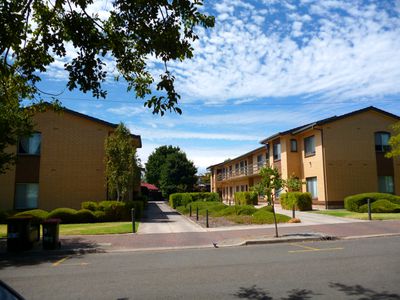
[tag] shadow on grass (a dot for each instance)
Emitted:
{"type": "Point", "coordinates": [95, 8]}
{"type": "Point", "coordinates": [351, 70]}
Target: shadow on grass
{"type": "Point", "coordinates": [355, 291]}
{"type": "Point", "coordinates": [73, 246]}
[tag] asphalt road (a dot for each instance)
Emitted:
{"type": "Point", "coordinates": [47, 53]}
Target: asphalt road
{"type": "Point", "coordinates": [352, 269]}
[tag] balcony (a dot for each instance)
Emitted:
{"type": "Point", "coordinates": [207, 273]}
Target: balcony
{"type": "Point", "coordinates": [249, 170]}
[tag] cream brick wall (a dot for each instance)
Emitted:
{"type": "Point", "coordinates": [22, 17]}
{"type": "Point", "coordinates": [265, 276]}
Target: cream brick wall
{"type": "Point", "coordinates": [72, 168]}
{"type": "Point", "coordinates": [350, 154]}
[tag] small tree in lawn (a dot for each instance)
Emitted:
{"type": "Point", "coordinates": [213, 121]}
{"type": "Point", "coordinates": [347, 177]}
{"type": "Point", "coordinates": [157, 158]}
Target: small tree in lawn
{"type": "Point", "coordinates": [271, 182]}
{"type": "Point", "coordinates": [121, 163]}
{"type": "Point", "coordinates": [293, 184]}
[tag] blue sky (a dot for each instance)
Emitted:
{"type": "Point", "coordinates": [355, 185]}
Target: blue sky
{"type": "Point", "coordinates": [266, 66]}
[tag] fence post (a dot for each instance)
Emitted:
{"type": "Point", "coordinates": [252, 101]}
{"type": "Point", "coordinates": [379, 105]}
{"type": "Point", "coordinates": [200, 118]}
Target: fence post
{"type": "Point", "coordinates": [133, 220]}
{"type": "Point", "coordinates": [294, 211]}
{"type": "Point", "coordinates": [197, 213]}
{"type": "Point", "coordinates": [207, 218]}
{"type": "Point", "coordinates": [369, 209]}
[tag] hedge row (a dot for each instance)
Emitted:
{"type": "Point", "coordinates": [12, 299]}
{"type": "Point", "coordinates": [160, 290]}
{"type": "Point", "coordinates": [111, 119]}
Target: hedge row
{"type": "Point", "coordinates": [104, 211]}
{"type": "Point", "coordinates": [183, 199]}
{"type": "Point", "coordinates": [358, 203]}
{"type": "Point", "coordinates": [246, 198]}
{"type": "Point", "coordinates": [302, 201]}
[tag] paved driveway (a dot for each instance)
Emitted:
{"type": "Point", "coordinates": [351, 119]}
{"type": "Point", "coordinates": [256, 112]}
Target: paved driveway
{"type": "Point", "coordinates": [161, 218]}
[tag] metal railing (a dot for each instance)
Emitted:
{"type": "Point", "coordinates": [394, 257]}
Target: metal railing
{"type": "Point", "coordinates": [251, 169]}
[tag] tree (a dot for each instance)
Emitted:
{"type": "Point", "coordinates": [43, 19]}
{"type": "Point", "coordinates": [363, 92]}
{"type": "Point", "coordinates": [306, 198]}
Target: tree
{"type": "Point", "coordinates": [122, 169]}
{"type": "Point", "coordinates": [169, 169]}
{"type": "Point", "coordinates": [35, 32]}
{"type": "Point", "coordinates": [271, 182]}
{"type": "Point", "coordinates": [293, 184]}
{"type": "Point", "coordinates": [394, 141]}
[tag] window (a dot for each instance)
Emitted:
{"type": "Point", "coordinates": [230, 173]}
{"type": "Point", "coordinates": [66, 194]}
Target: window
{"type": "Point", "coordinates": [276, 149]}
{"type": "Point", "coordinates": [309, 146]}
{"type": "Point", "coordinates": [312, 188]}
{"type": "Point", "coordinates": [382, 141]}
{"type": "Point", "coordinates": [237, 168]}
{"type": "Point", "coordinates": [385, 184]}
{"type": "Point", "coordinates": [26, 195]}
{"type": "Point", "coordinates": [30, 145]}
{"type": "Point", "coordinates": [260, 161]}
{"type": "Point", "coordinates": [293, 145]}
{"type": "Point", "coordinates": [230, 192]}
{"type": "Point", "coordinates": [242, 167]}
{"type": "Point", "coordinates": [237, 188]}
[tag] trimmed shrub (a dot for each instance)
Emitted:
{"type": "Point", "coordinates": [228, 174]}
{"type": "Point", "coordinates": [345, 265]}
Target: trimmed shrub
{"type": "Point", "coordinates": [67, 215]}
{"type": "Point", "coordinates": [85, 216]}
{"type": "Point", "coordinates": [246, 198]}
{"type": "Point", "coordinates": [3, 216]}
{"type": "Point", "coordinates": [100, 216]}
{"type": "Point", "coordinates": [354, 202]}
{"type": "Point", "coordinates": [266, 217]}
{"type": "Point", "coordinates": [381, 206]}
{"type": "Point", "coordinates": [114, 210]}
{"type": "Point", "coordinates": [302, 201]}
{"type": "Point", "coordinates": [38, 215]}
{"type": "Point", "coordinates": [137, 205]}
{"type": "Point", "coordinates": [90, 205]}
{"type": "Point", "coordinates": [183, 199]}
{"type": "Point", "coordinates": [267, 208]}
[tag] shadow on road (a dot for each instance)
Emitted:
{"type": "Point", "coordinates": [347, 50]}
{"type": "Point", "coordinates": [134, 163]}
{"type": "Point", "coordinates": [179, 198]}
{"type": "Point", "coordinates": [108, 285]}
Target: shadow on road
{"type": "Point", "coordinates": [257, 293]}
{"type": "Point", "coordinates": [38, 256]}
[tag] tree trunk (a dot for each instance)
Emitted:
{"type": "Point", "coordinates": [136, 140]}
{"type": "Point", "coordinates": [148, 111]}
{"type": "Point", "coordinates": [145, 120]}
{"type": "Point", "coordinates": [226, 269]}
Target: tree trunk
{"type": "Point", "coordinates": [276, 225]}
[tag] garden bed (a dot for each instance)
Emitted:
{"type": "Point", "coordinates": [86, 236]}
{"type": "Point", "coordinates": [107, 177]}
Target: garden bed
{"type": "Point", "coordinates": [221, 215]}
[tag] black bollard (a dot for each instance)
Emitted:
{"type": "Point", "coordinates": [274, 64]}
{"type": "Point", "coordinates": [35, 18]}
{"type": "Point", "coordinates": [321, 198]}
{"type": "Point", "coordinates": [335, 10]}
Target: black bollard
{"type": "Point", "coordinates": [190, 211]}
{"type": "Point", "coordinates": [207, 218]}
{"type": "Point", "coordinates": [133, 220]}
{"type": "Point", "coordinates": [294, 211]}
{"type": "Point", "coordinates": [197, 213]}
{"type": "Point", "coordinates": [369, 209]}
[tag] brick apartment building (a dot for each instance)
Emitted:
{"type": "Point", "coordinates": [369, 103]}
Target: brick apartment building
{"type": "Point", "coordinates": [61, 164]}
{"type": "Point", "coordinates": [335, 157]}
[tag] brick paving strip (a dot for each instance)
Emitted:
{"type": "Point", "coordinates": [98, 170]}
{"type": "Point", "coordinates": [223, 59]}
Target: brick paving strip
{"type": "Point", "coordinates": [134, 242]}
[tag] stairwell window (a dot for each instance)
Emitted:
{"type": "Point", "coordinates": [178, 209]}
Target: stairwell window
{"type": "Point", "coordinates": [312, 187]}
{"type": "Point", "coordinates": [309, 146]}
{"type": "Point", "coordinates": [26, 195]}
{"type": "Point", "coordinates": [276, 150]}
{"type": "Point", "coordinates": [382, 141]}
{"type": "Point", "coordinates": [385, 184]}
{"type": "Point", "coordinates": [30, 145]}
{"type": "Point", "coordinates": [293, 145]}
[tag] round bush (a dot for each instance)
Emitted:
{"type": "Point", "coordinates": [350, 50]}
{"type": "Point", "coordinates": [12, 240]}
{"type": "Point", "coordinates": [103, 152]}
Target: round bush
{"type": "Point", "coordinates": [100, 216]}
{"type": "Point", "coordinates": [85, 216]}
{"type": "Point", "coordinates": [354, 202]}
{"type": "Point", "coordinates": [381, 206]}
{"type": "Point", "coordinates": [90, 205]}
{"type": "Point", "coordinates": [67, 215]}
{"type": "Point", "coordinates": [38, 215]}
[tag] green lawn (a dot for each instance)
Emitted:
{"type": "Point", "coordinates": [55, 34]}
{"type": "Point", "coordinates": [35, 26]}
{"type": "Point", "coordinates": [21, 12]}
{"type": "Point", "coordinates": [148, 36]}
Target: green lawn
{"type": "Point", "coordinates": [88, 228]}
{"type": "Point", "coordinates": [362, 216]}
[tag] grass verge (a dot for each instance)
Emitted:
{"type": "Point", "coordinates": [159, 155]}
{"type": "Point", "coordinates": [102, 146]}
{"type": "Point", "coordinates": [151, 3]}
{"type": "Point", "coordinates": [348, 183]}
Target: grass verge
{"type": "Point", "coordinates": [361, 216]}
{"type": "Point", "coordinates": [88, 228]}
{"type": "Point", "coordinates": [240, 214]}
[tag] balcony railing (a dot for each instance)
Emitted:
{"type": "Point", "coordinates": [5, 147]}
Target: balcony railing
{"type": "Point", "coordinates": [251, 169]}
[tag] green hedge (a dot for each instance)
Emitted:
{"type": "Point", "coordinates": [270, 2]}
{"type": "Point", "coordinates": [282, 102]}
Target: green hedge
{"type": "Point", "coordinates": [354, 202]}
{"type": "Point", "coordinates": [302, 201]}
{"type": "Point", "coordinates": [381, 206]}
{"type": "Point", "coordinates": [66, 215]}
{"type": "Point", "coordinates": [246, 198]}
{"type": "Point", "coordinates": [85, 216]}
{"type": "Point", "coordinates": [183, 199]}
{"type": "Point", "coordinates": [90, 205]}
{"type": "Point", "coordinates": [38, 215]}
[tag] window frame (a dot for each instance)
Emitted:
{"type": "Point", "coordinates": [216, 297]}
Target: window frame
{"type": "Point", "coordinates": [308, 154]}
{"type": "Point", "coordinates": [19, 152]}
{"type": "Point", "coordinates": [293, 142]}
{"type": "Point", "coordinates": [313, 197]}
{"type": "Point", "coordinates": [392, 184]}
{"type": "Point", "coordinates": [279, 154]}
{"type": "Point", "coordinates": [26, 206]}
{"type": "Point", "coordinates": [383, 148]}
